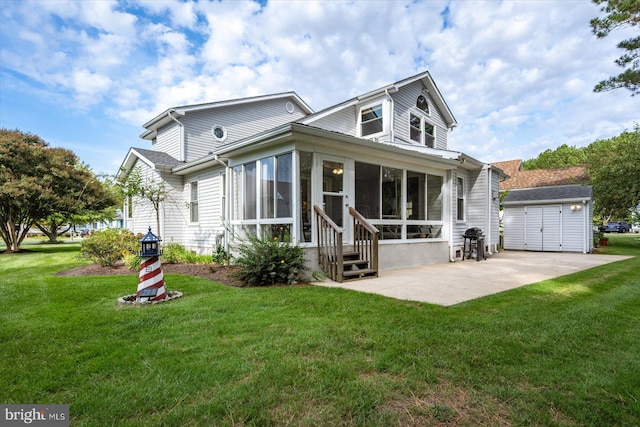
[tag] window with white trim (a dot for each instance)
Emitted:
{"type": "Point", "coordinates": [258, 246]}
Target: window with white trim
{"type": "Point", "coordinates": [262, 197]}
{"type": "Point", "coordinates": [371, 120]}
{"type": "Point", "coordinates": [193, 202]}
{"type": "Point", "coordinates": [421, 131]}
{"type": "Point", "coordinates": [460, 196]}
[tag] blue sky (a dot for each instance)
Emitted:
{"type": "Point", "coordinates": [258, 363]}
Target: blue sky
{"type": "Point", "coordinates": [518, 75]}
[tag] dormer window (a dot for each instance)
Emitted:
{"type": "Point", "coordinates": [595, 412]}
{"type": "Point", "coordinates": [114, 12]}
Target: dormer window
{"type": "Point", "coordinates": [371, 120]}
{"type": "Point", "coordinates": [421, 131]}
{"type": "Point", "coordinates": [422, 104]}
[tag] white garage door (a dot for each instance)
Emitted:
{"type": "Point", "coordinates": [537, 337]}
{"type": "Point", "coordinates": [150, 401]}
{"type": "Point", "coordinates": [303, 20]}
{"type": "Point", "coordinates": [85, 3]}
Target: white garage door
{"type": "Point", "coordinates": [543, 228]}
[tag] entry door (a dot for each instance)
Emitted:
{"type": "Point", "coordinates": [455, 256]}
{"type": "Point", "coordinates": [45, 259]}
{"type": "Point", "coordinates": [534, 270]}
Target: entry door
{"type": "Point", "coordinates": [542, 228]}
{"type": "Point", "coordinates": [334, 175]}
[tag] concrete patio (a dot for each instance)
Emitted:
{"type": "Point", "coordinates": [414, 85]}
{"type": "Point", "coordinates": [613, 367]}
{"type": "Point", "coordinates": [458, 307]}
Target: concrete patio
{"type": "Point", "coordinates": [453, 283]}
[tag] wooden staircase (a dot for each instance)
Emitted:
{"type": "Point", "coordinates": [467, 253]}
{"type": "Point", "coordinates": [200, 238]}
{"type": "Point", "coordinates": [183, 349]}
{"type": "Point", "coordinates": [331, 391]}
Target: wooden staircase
{"type": "Point", "coordinates": [342, 263]}
{"type": "Point", "coordinates": [354, 267]}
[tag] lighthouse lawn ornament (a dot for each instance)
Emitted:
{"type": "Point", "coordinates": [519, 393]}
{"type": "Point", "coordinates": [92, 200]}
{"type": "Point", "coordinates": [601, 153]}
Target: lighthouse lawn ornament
{"type": "Point", "coordinates": [151, 279]}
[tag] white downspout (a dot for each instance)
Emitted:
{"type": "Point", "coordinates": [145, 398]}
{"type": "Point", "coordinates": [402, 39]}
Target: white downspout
{"type": "Point", "coordinates": [489, 208]}
{"type": "Point", "coordinates": [391, 114]}
{"type": "Point", "coordinates": [183, 156]}
{"type": "Point", "coordinates": [452, 256]}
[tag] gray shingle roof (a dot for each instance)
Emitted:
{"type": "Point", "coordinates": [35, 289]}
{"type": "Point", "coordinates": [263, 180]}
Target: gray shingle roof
{"type": "Point", "coordinates": [559, 192]}
{"type": "Point", "coordinates": [158, 158]}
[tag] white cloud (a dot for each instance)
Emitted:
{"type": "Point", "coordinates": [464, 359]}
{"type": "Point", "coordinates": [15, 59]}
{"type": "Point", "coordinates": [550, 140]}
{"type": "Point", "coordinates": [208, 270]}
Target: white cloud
{"type": "Point", "coordinates": [517, 75]}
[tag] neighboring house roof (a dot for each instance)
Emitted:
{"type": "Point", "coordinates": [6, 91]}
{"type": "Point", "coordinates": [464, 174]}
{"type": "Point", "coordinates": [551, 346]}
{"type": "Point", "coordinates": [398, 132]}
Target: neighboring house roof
{"type": "Point", "coordinates": [510, 167]}
{"type": "Point", "coordinates": [170, 114]}
{"type": "Point", "coordinates": [427, 81]}
{"type": "Point", "coordinates": [540, 177]}
{"type": "Point", "coordinates": [560, 192]}
{"type": "Point", "coordinates": [154, 159]}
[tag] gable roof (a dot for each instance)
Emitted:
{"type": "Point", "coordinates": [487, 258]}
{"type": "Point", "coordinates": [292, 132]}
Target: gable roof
{"type": "Point", "coordinates": [510, 167]}
{"type": "Point", "coordinates": [561, 192]}
{"type": "Point", "coordinates": [427, 81]}
{"type": "Point", "coordinates": [154, 159]}
{"type": "Point", "coordinates": [170, 114]}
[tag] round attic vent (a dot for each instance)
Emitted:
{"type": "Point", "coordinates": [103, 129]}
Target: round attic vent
{"type": "Point", "coordinates": [290, 108]}
{"type": "Point", "coordinates": [219, 133]}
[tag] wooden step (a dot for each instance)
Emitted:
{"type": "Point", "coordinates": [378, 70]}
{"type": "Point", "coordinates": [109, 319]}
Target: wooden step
{"type": "Point", "coordinates": [360, 263]}
{"type": "Point", "coordinates": [358, 274]}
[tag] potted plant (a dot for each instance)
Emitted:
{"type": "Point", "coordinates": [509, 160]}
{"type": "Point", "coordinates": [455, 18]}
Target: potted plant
{"type": "Point", "coordinates": [604, 241]}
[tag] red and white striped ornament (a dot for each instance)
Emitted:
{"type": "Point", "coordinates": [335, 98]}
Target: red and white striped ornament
{"type": "Point", "coordinates": [151, 276]}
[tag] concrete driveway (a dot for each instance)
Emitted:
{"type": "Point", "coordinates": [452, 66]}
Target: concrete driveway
{"type": "Point", "coordinates": [452, 283]}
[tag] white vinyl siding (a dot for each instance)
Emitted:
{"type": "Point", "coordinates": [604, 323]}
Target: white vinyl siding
{"type": "Point", "coordinates": [168, 140]}
{"type": "Point", "coordinates": [404, 102]}
{"type": "Point", "coordinates": [239, 121]}
{"type": "Point", "coordinates": [202, 236]}
{"type": "Point", "coordinates": [343, 121]}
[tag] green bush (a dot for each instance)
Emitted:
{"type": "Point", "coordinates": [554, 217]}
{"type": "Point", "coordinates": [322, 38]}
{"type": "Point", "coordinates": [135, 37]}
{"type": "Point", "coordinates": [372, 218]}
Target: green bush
{"type": "Point", "coordinates": [132, 261]}
{"type": "Point", "coordinates": [258, 258]}
{"type": "Point", "coordinates": [220, 256]}
{"type": "Point", "coordinates": [175, 253]}
{"type": "Point", "coordinates": [106, 247]}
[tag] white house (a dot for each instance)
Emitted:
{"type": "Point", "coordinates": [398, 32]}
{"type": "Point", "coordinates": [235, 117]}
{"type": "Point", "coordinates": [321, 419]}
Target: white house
{"type": "Point", "coordinates": [372, 175]}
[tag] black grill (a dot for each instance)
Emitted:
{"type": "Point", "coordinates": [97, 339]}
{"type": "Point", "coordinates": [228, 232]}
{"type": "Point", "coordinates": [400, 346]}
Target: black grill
{"type": "Point", "coordinates": [473, 232]}
{"type": "Point", "coordinates": [475, 236]}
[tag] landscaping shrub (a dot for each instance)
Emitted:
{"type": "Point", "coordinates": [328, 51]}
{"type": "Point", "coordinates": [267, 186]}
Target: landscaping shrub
{"type": "Point", "coordinates": [132, 261]}
{"type": "Point", "coordinates": [220, 256]}
{"type": "Point", "coordinates": [175, 253]}
{"type": "Point", "coordinates": [106, 247]}
{"type": "Point", "coordinates": [259, 257]}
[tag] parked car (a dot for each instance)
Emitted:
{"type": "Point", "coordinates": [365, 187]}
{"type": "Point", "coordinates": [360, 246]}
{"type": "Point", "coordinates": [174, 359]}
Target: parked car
{"type": "Point", "coordinates": [618, 227]}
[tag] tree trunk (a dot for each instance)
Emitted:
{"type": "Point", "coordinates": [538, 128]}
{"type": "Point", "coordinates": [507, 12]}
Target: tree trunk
{"type": "Point", "coordinates": [51, 231]}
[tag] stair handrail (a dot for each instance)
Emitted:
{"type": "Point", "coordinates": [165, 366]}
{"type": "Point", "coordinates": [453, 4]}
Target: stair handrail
{"type": "Point", "coordinates": [330, 248]}
{"type": "Point", "coordinates": [365, 239]}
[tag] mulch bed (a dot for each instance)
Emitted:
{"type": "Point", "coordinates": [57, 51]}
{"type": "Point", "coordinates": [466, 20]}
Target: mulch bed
{"type": "Point", "coordinates": [218, 273]}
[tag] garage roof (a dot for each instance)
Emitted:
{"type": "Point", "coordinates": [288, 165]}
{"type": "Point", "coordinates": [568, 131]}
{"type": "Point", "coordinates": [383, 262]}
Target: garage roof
{"type": "Point", "coordinates": [560, 192]}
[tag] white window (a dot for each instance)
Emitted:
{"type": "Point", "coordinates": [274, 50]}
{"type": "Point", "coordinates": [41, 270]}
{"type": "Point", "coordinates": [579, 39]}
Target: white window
{"type": "Point", "coordinates": [371, 120]}
{"type": "Point", "coordinates": [219, 133]}
{"type": "Point", "coordinates": [421, 131]}
{"type": "Point", "coordinates": [193, 204]}
{"type": "Point", "coordinates": [460, 196]}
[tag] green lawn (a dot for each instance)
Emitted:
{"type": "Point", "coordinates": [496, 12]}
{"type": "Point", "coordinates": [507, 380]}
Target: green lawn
{"type": "Point", "coordinates": [560, 352]}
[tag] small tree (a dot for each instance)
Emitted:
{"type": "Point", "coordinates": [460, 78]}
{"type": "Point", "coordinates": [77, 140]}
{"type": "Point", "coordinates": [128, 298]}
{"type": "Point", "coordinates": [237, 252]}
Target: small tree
{"type": "Point", "coordinates": [137, 185]}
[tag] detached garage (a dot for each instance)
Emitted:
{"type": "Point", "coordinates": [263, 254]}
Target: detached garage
{"type": "Point", "coordinates": [549, 219]}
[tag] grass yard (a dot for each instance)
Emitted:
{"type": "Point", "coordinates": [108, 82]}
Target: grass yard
{"type": "Point", "coordinates": [559, 352]}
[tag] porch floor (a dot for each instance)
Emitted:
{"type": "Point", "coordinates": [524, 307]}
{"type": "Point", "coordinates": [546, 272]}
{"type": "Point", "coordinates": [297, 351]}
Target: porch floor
{"type": "Point", "coordinates": [453, 283]}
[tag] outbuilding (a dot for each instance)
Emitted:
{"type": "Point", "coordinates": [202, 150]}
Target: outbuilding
{"type": "Point", "coordinates": [549, 219]}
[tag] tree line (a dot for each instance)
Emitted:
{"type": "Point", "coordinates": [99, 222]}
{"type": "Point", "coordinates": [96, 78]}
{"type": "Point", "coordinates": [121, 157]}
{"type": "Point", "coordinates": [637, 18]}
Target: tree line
{"type": "Point", "coordinates": [613, 166]}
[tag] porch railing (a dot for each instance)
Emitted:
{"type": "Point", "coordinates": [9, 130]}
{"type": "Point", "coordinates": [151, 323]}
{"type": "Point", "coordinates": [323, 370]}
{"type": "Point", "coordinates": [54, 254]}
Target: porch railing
{"type": "Point", "coordinates": [330, 249]}
{"type": "Point", "coordinates": [365, 239]}
{"type": "Point", "coordinates": [330, 244]}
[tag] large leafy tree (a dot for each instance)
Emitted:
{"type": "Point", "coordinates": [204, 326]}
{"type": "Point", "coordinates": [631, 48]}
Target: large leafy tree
{"type": "Point", "coordinates": [104, 208]}
{"type": "Point", "coordinates": [614, 170]}
{"type": "Point", "coordinates": [620, 14]}
{"type": "Point", "coordinates": [562, 156]}
{"type": "Point", "coordinates": [38, 182]}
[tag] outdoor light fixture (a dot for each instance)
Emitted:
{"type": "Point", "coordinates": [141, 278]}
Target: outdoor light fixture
{"type": "Point", "coordinates": [576, 207]}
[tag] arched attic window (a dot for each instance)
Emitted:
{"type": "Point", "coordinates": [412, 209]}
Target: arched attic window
{"type": "Point", "coordinates": [422, 104]}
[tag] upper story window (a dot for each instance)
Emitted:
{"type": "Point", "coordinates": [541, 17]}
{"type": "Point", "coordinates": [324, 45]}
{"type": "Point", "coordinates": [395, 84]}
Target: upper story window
{"type": "Point", "coordinates": [422, 131]}
{"type": "Point", "coordinates": [371, 121]}
{"type": "Point", "coordinates": [219, 133]}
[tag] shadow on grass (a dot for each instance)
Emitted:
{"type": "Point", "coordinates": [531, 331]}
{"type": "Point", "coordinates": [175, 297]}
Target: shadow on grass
{"type": "Point", "coordinates": [40, 247]}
